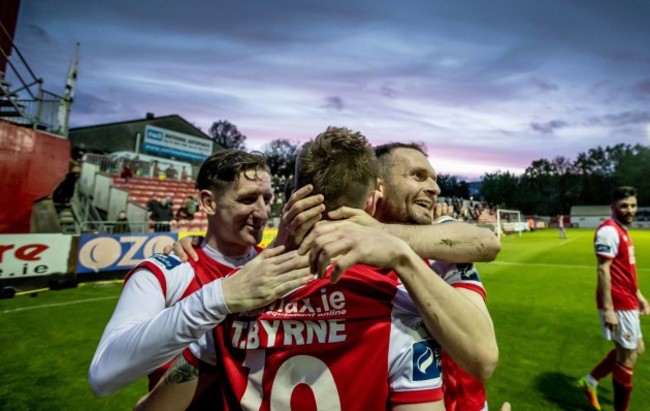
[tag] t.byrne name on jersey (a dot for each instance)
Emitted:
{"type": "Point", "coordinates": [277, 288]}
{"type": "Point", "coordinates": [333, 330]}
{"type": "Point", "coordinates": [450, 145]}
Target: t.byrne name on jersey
{"type": "Point", "coordinates": [327, 304]}
{"type": "Point", "coordinates": [266, 333]}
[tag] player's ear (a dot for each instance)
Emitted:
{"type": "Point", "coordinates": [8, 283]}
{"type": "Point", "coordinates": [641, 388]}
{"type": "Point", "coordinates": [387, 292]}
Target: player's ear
{"type": "Point", "coordinates": [373, 198]}
{"type": "Point", "coordinates": [208, 201]}
{"type": "Point", "coordinates": [380, 187]}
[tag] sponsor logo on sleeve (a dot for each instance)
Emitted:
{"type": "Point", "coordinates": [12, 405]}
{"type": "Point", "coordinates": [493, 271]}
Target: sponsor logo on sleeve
{"type": "Point", "coordinates": [166, 261]}
{"type": "Point", "coordinates": [426, 361]}
{"type": "Point", "coordinates": [468, 272]}
{"type": "Point", "coordinates": [603, 248]}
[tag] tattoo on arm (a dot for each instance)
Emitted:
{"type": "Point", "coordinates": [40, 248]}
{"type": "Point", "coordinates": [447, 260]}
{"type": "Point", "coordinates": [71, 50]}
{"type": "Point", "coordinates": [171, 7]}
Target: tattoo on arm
{"type": "Point", "coordinates": [181, 371]}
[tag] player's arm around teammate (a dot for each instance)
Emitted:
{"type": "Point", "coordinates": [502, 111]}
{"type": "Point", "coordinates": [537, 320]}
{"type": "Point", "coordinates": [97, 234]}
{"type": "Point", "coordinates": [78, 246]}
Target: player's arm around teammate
{"type": "Point", "coordinates": [456, 317]}
{"type": "Point", "coordinates": [465, 328]}
{"type": "Point", "coordinates": [454, 241]}
{"type": "Point", "coordinates": [162, 333]}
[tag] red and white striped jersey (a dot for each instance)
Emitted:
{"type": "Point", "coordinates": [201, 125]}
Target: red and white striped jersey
{"type": "Point", "coordinates": [177, 281]}
{"type": "Point", "coordinates": [612, 241]}
{"type": "Point", "coordinates": [462, 392]}
{"type": "Point", "coordinates": [354, 345]}
{"type": "Point", "coordinates": [165, 305]}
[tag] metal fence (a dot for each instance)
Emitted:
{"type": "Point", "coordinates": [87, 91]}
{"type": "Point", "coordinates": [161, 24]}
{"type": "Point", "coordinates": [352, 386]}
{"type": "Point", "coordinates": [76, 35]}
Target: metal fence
{"type": "Point", "coordinates": [121, 227]}
{"type": "Point", "coordinates": [113, 227]}
{"type": "Point", "coordinates": [108, 165]}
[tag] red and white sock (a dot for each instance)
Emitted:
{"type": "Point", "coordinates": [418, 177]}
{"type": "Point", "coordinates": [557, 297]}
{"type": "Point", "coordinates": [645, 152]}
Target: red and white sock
{"type": "Point", "coordinates": [622, 380]}
{"type": "Point", "coordinates": [603, 369]}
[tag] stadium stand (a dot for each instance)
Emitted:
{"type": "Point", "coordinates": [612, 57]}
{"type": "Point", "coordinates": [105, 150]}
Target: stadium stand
{"type": "Point", "coordinates": [141, 189]}
{"type": "Point", "coordinates": [104, 189]}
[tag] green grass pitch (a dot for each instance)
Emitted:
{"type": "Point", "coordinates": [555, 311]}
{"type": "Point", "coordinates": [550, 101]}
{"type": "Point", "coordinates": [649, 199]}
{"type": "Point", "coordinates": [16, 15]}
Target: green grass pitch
{"type": "Point", "coordinates": [540, 294]}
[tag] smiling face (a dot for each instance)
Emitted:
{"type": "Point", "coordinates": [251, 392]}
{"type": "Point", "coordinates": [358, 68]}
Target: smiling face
{"type": "Point", "coordinates": [241, 211]}
{"type": "Point", "coordinates": [625, 209]}
{"type": "Point", "coordinates": [410, 188]}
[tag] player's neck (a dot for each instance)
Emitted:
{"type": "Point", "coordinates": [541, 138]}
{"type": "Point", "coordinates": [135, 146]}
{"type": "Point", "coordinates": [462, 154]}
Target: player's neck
{"type": "Point", "coordinates": [619, 222]}
{"type": "Point", "coordinates": [229, 250]}
{"type": "Point", "coordinates": [229, 259]}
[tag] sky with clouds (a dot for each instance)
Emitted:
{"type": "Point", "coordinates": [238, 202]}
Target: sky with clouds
{"type": "Point", "coordinates": [485, 85]}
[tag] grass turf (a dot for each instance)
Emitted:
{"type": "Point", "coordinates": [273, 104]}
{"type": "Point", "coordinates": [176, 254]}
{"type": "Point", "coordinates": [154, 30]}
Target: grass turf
{"type": "Point", "coordinates": [540, 294]}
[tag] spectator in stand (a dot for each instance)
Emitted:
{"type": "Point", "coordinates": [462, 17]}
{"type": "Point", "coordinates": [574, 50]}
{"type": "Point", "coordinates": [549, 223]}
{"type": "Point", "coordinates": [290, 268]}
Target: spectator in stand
{"type": "Point", "coordinates": [136, 165]}
{"type": "Point", "coordinates": [163, 216]}
{"type": "Point", "coordinates": [152, 205]}
{"type": "Point", "coordinates": [64, 191]}
{"type": "Point", "coordinates": [122, 224]}
{"type": "Point", "coordinates": [153, 208]}
{"type": "Point", "coordinates": [476, 213]}
{"type": "Point", "coordinates": [464, 214]}
{"type": "Point", "coordinates": [188, 210]}
{"type": "Point", "coordinates": [126, 172]}
{"type": "Point", "coordinates": [275, 182]}
{"type": "Point", "coordinates": [155, 169]}
{"type": "Point", "coordinates": [184, 175]}
{"type": "Point", "coordinates": [192, 206]}
{"type": "Point", "coordinates": [182, 215]}
{"type": "Point", "coordinates": [276, 210]}
{"type": "Point", "coordinates": [171, 172]}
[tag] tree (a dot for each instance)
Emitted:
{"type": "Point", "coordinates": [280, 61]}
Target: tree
{"type": "Point", "coordinates": [281, 157]}
{"type": "Point", "coordinates": [451, 186]}
{"type": "Point", "coordinates": [551, 187]}
{"type": "Point", "coordinates": [501, 188]}
{"type": "Point", "coordinates": [226, 135]}
{"type": "Point", "coordinates": [596, 173]}
{"type": "Point", "coordinates": [633, 169]}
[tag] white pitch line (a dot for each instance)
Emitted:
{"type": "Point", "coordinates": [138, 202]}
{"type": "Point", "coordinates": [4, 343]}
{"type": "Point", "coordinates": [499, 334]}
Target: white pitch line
{"type": "Point", "coordinates": [591, 267]}
{"type": "Point", "coordinates": [35, 307]}
{"type": "Point", "coordinates": [567, 241]}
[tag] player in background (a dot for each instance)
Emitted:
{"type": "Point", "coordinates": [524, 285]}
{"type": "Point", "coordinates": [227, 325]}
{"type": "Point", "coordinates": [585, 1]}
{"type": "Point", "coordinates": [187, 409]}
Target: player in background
{"type": "Point", "coordinates": [560, 225]}
{"type": "Point", "coordinates": [455, 310]}
{"type": "Point", "coordinates": [164, 305]}
{"type": "Point", "coordinates": [298, 353]}
{"type": "Point", "coordinates": [619, 301]}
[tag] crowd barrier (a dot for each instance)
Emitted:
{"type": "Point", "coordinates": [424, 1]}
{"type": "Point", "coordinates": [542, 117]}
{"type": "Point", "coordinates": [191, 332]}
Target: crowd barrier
{"type": "Point", "coordinates": [38, 255]}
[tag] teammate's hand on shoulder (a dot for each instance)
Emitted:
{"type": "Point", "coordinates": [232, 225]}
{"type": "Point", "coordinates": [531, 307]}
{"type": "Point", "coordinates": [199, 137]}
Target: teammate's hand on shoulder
{"type": "Point", "coordinates": [299, 215]}
{"type": "Point", "coordinates": [265, 278]}
{"type": "Point", "coordinates": [184, 248]}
